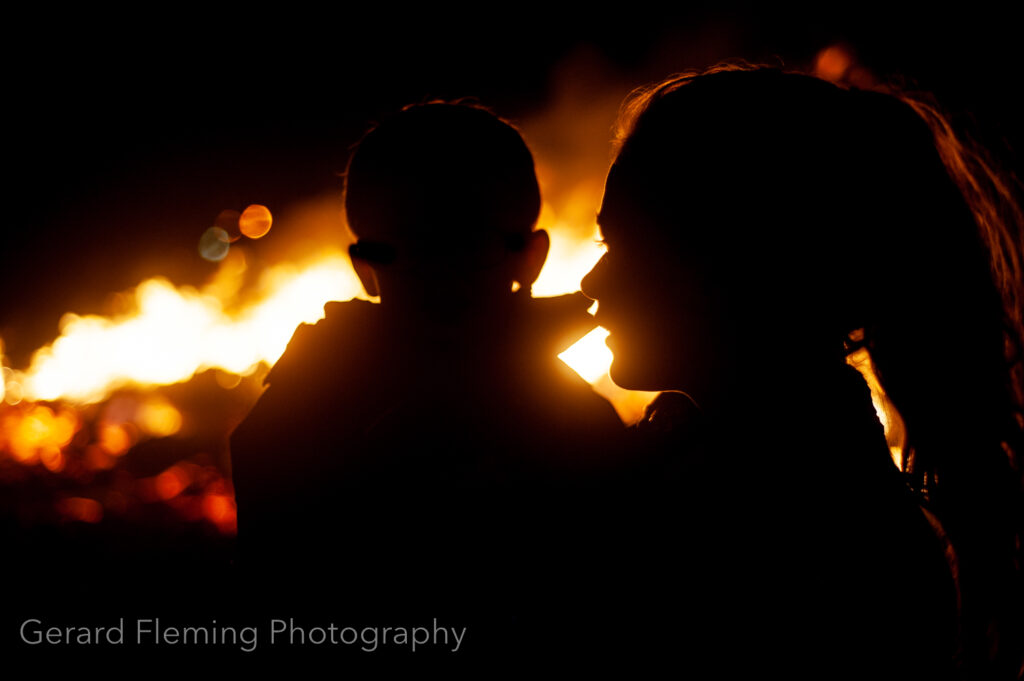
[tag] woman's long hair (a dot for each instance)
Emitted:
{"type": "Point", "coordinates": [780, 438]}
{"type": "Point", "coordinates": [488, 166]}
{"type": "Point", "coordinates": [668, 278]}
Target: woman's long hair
{"type": "Point", "coordinates": [918, 245]}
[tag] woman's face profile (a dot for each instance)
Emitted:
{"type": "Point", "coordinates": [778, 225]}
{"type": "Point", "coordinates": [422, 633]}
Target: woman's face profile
{"type": "Point", "coordinates": [651, 296]}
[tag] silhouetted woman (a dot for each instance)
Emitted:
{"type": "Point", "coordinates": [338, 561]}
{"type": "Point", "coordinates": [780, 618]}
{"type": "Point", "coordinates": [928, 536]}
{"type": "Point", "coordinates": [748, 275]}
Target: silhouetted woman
{"type": "Point", "coordinates": [762, 227]}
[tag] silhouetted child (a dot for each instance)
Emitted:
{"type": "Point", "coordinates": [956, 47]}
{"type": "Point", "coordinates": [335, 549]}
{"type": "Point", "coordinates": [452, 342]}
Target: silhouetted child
{"type": "Point", "coordinates": [432, 444]}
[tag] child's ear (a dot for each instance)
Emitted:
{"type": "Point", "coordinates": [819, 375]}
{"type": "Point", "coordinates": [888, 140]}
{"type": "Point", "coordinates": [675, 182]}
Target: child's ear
{"type": "Point", "coordinates": [534, 254]}
{"type": "Point", "coordinates": [367, 275]}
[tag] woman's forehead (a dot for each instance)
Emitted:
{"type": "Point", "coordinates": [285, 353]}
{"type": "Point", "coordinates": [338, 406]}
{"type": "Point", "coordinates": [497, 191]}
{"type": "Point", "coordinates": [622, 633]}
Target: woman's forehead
{"type": "Point", "coordinates": [638, 202]}
{"type": "Point", "coordinates": [620, 200]}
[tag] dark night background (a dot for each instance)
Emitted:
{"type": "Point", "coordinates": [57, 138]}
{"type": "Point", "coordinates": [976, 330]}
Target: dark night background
{"type": "Point", "coordinates": [125, 138]}
{"type": "Point", "coordinates": [125, 135]}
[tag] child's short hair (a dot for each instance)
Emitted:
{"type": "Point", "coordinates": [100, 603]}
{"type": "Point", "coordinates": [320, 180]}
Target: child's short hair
{"type": "Point", "coordinates": [440, 173]}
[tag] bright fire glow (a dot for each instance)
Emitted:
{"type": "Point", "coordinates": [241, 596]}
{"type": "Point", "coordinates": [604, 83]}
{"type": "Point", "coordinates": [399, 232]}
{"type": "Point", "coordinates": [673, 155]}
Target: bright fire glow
{"type": "Point", "coordinates": [589, 357]}
{"type": "Point", "coordinates": [568, 262]}
{"type": "Point", "coordinates": [890, 419]}
{"type": "Point", "coordinates": [237, 324]}
{"type": "Point", "coordinates": [172, 333]}
{"type": "Point", "coordinates": [166, 334]}
{"type": "Point", "coordinates": [177, 332]}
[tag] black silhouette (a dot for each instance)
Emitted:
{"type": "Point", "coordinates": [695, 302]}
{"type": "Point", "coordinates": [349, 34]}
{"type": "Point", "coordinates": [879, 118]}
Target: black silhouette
{"type": "Point", "coordinates": [760, 225]}
{"type": "Point", "coordinates": [432, 446]}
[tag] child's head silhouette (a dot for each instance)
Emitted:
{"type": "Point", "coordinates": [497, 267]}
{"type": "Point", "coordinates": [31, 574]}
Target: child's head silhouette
{"type": "Point", "coordinates": [443, 199]}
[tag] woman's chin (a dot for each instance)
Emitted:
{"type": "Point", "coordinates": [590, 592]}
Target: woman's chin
{"type": "Point", "coordinates": [632, 377]}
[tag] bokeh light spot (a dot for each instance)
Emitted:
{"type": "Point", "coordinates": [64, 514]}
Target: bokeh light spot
{"type": "Point", "coordinates": [228, 221]}
{"type": "Point", "coordinates": [158, 418]}
{"type": "Point", "coordinates": [832, 63]}
{"type": "Point", "coordinates": [97, 459]}
{"type": "Point", "coordinates": [13, 392]}
{"type": "Point", "coordinates": [115, 439]}
{"type": "Point", "coordinates": [220, 510]}
{"type": "Point", "coordinates": [255, 221]}
{"type": "Point", "coordinates": [216, 507]}
{"type": "Point", "coordinates": [30, 433]}
{"type": "Point", "coordinates": [80, 508]}
{"type": "Point", "coordinates": [52, 458]}
{"type": "Point", "coordinates": [172, 482]}
{"type": "Point", "coordinates": [214, 244]}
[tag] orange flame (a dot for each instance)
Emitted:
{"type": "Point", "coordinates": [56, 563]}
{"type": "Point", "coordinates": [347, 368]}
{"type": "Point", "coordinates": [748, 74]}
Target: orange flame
{"type": "Point", "coordinates": [177, 332]}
